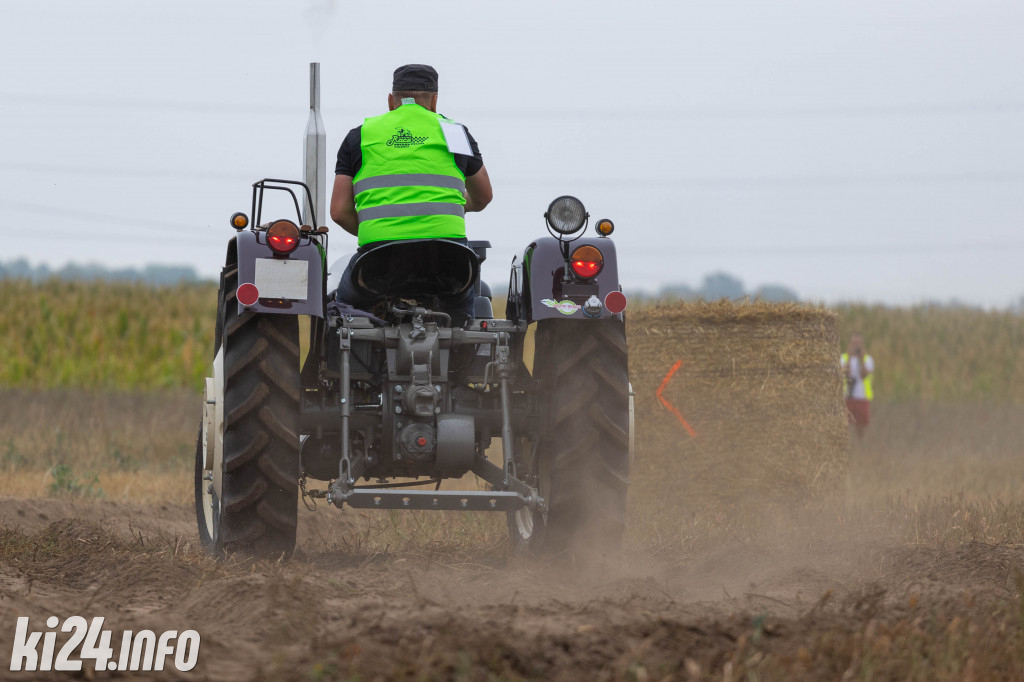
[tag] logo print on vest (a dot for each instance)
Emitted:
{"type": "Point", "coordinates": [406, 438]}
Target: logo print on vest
{"type": "Point", "coordinates": [405, 138]}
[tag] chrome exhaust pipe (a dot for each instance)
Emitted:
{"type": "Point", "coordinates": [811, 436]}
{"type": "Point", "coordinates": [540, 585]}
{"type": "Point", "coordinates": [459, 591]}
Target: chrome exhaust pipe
{"type": "Point", "coordinates": [315, 152]}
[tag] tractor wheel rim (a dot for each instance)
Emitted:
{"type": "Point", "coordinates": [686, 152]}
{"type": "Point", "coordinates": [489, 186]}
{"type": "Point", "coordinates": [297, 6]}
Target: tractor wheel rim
{"type": "Point", "coordinates": [524, 522]}
{"type": "Point", "coordinates": [211, 503]}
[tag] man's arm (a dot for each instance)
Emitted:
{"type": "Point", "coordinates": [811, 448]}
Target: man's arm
{"type": "Point", "coordinates": [478, 191]}
{"type": "Point", "coordinates": [343, 205]}
{"type": "Point", "coordinates": [867, 366]}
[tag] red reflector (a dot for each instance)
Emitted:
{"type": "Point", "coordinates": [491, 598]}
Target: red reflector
{"type": "Point", "coordinates": [615, 302]}
{"type": "Point", "coordinates": [483, 325]}
{"type": "Point", "coordinates": [247, 294]}
{"type": "Point", "coordinates": [586, 268]}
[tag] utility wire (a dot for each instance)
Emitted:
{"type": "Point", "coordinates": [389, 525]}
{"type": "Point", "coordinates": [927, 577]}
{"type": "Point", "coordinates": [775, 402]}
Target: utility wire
{"type": "Point", "coordinates": [158, 173]}
{"type": "Point", "coordinates": [212, 234]}
{"type": "Point", "coordinates": [546, 112]}
{"type": "Point", "coordinates": [105, 218]}
{"type": "Point", "coordinates": [973, 177]}
{"type": "Point", "coordinates": [782, 181]}
{"type": "Point", "coordinates": [839, 250]}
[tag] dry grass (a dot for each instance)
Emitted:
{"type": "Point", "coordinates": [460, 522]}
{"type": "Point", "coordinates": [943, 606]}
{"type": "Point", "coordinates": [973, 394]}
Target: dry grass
{"type": "Point", "coordinates": [122, 446]}
{"type": "Point", "coordinates": [935, 475]}
{"type": "Point", "coordinates": [916, 449]}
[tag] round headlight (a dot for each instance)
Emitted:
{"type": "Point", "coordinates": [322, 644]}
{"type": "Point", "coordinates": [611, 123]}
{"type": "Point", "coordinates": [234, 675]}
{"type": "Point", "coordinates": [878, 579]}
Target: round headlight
{"type": "Point", "coordinates": [566, 215]}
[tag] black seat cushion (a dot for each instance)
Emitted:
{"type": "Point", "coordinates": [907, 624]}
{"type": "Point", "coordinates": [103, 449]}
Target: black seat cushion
{"type": "Point", "coordinates": [416, 267]}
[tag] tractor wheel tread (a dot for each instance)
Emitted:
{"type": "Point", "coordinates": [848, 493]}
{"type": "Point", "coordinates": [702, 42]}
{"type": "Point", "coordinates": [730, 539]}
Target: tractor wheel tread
{"type": "Point", "coordinates": [271, 333]}
{"type": "Point", "coordinates": [260, 463]}
{"type": "Point", "coordinates": [584, 366]}
{"type": "Point", "coordinates": [241, 499]}
{"type": "Point", "coordinates": [251, 355]}
{"type": "Point", "coordinates": [273, 516]}
{"type": "Point", "coordinates": [239, 322]}
{"type": "Point", "coordinates": [253, 402]}
{"type": "Point", "coordinates": [280, 431]}
{"type": "Point", "coordinates": [284, 479]}
{"type": "Point", "coordinates": [274, 370]}
{"type": "Point", "coordinates": [238, 535]}
{"type": "Point", "coordinates": [246, 453]}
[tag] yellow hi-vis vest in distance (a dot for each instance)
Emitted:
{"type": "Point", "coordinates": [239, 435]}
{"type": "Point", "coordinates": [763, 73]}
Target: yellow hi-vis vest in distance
{"type": "Point", "coordinates": [408, 186]}
{"type": "Point", "coordinates": [869, 393]}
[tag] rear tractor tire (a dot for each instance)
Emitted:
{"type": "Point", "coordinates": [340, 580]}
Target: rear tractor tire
{"type": "Point", "coordinates": [257, 511]}
{"type": "Point", "coordinates": [581, 464]}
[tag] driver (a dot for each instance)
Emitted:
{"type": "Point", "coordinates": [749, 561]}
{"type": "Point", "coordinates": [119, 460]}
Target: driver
{"type": "Point", "coordinates": [397, 177]}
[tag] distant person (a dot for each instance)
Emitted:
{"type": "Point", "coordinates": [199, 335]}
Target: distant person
{"type": "Point", "coordinates": [858, 368]}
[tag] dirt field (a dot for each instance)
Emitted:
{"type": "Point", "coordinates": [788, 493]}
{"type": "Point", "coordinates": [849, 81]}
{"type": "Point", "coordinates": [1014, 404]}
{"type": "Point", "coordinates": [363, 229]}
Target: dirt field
{"type": "Point", "coordinates": [916, 575]}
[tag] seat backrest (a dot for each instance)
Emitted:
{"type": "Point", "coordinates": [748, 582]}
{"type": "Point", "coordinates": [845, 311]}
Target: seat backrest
{"type": "Point", "coordinates": [416, 267]}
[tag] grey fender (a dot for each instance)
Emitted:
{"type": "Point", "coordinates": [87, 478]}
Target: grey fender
{"type": "Point", "coordinates": [538, 290]}
{"type": "Point", "coordinates": [249, 246]}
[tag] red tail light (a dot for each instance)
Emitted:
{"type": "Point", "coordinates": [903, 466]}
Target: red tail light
{"type": "Point", "coordinates": [586, 262]}
{"type": "Point", "coordinates": [283, 236]}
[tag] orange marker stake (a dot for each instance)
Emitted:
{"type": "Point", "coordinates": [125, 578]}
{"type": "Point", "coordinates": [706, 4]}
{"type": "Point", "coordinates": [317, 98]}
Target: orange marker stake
{"type": "Point", "coordinates": [670, 406]}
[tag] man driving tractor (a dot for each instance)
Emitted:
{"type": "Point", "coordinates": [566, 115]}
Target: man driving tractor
{"type": "Point", "coordinates": [408, 174]}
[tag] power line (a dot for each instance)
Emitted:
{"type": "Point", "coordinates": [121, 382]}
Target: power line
{"type": "Point", "coordinates": [157, 173]}
{"type": "Point", "coordinates": [972, 177]}
{"type": "Point", "coordinates": [214, 235]}
{"type": "Point", "coordinates": [547, 112]}
{"type": "Point", "coordinates": [841, 250]}
{"type": "Point", "coordinates": [781, 181]}
{"type": "Point", "coordinates": [653, 112]}
{"type": "Point", "coordinates": [100, 217]}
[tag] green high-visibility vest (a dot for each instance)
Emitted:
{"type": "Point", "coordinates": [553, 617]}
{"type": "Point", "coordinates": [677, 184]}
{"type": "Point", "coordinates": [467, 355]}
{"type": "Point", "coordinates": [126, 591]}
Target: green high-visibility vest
{"type": "Point", "coordinates": [869, 391]}
{"type": "Point", "coordinates": [408, 186]}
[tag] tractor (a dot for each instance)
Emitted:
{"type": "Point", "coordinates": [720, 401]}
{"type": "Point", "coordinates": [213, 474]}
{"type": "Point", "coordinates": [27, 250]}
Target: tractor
{"type": "Point", "coordinates": [391, 408]}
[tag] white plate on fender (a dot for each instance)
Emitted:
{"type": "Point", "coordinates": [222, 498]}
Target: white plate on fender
{"type": "Point", "coordinates": [279, 278]}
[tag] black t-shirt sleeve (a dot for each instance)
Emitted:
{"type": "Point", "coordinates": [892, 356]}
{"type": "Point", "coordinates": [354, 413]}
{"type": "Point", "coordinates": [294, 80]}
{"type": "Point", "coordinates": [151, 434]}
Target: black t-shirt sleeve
{"type": "Point", "coordinates": [470, 165]}
{"type": "Point", "coordinates": [350, 154]}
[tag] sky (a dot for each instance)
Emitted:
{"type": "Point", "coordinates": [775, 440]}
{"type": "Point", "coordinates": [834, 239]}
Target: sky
{"type": "Point", "coordinates": [850, 150]}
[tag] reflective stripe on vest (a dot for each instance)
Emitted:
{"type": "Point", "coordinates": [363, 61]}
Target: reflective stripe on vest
{"type": "Point", "coordinates": [410, 210]}
{"type": "Point", "coordinates": [409, 180]}
{"type": "Point", "coordinates": [869, 392]}
{"type": "Point", "coordinates": [408, 186]}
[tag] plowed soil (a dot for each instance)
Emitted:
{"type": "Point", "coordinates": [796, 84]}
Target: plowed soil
{"type": "Point", "coordinates": [793, 604]}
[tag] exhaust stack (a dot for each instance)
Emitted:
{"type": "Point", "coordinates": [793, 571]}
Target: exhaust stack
{"type": "Point", "coordinates": [315, 153]}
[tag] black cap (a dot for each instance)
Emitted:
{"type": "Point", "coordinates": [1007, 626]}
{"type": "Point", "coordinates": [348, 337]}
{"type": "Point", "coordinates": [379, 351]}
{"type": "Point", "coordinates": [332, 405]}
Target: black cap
{"type": "Point", "coordinates": [414, 78]}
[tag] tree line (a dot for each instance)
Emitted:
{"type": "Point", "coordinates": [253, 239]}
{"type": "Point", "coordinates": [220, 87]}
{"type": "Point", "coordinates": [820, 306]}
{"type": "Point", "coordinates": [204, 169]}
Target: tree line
{"type": "Point", "coordinates": [149, 274]}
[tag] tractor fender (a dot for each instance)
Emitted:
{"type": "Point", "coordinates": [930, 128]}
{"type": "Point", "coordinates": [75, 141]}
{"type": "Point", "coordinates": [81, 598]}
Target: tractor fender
{"type": "Point", "coordinates": [537, 290]}
{"type": "Point", "coordinates": [250, 246]}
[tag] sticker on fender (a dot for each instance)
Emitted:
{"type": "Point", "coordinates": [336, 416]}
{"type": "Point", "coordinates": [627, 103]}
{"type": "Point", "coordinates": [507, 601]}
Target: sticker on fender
{"type": "Point", "coordinates": [143, 650]}
{"type": "Point", "coordinates": [565, 307]}
{"type": "Point", "coordinates": [280, 278]}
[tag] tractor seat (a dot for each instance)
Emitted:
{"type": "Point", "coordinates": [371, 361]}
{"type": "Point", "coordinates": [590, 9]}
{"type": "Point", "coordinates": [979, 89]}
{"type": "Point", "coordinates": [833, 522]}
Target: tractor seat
{"type": "Point", "coordinates": [416, 267]}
